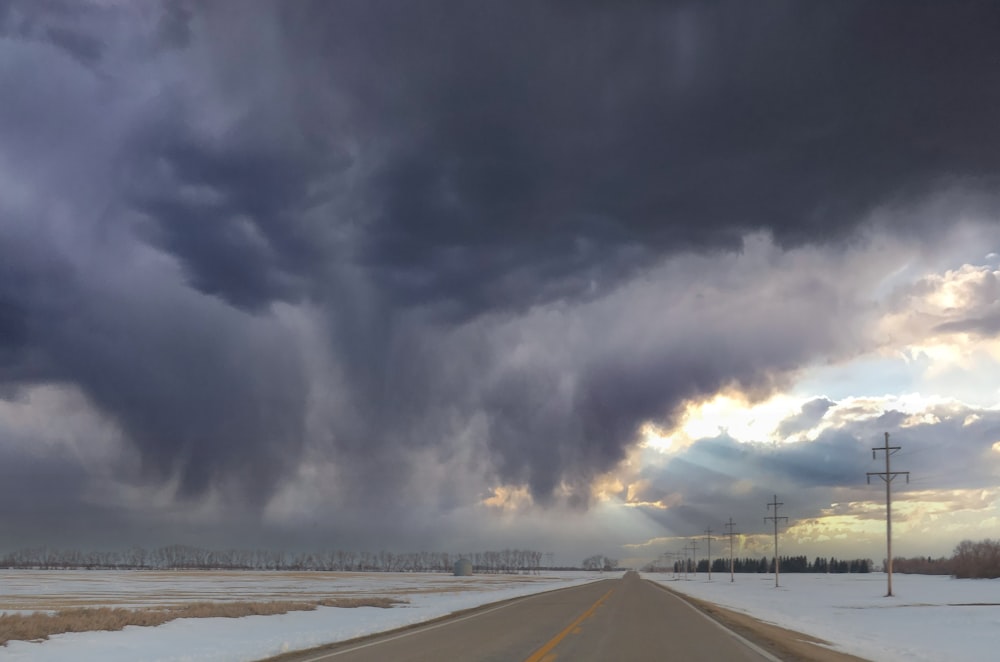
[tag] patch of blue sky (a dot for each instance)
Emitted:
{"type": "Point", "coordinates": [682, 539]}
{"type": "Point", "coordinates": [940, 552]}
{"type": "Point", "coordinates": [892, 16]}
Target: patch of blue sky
{"type": "Point", "coordinates": [870, 376]}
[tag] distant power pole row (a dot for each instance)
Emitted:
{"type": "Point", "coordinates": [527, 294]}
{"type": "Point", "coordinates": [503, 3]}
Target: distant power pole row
{"type": "Point", "coordinates": [888, 475]}
{"type": "Point", "coordinates": [731, 533]}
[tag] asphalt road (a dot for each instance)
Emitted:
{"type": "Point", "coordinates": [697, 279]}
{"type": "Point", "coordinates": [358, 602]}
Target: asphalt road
{"type": "Point", "coordinates": [625, 620]}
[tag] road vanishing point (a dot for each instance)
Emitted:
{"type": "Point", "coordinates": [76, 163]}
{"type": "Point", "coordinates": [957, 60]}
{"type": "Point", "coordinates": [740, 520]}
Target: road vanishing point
{"type": "Point", "coordinates": [612, 619]}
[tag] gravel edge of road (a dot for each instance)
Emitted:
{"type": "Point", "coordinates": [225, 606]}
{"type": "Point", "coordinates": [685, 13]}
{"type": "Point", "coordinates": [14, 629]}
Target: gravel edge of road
{"type": "Point", "coordinates": [788, 645]}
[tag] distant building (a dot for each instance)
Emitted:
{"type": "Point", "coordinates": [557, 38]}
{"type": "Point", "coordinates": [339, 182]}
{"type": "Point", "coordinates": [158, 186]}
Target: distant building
{"type": "Point", "coordinates": [463, 568]}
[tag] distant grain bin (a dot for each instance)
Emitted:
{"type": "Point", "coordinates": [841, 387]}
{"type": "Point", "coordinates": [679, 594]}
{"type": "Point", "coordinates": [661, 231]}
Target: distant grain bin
{"type": "Point", "coordinates": [463, 568]}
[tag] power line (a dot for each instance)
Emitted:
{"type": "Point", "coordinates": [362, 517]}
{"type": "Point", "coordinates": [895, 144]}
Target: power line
{"type": "Point", "coordinates": [888, 477]}
{"type": "Point", "coordinates": [775, 517]}
{"type": "Point", "coordinates": [732, 532]}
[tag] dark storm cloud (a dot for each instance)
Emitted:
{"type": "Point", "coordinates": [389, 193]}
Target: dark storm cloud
{"type": "Point", "coordinates": [174, 28]}
{"type": "Point", "coordinates": [511, 144]}
{"type": "Point", "coordinates": [30, 514]}
{"type": "Point", "coordinates": [235, 231]}
{"type": "Point", "coordinates": [540, 438]}
{"type": "Point", "coordinates": [812, 413]}
{"type": "Point", "coordinates": [203, 394]}
{"type": "Point", "coordinates": [69, 26]}
{"type": "Point", "coordinates": [543, 130]}
{"type": "Point", "coordinates": [570, 386]}
{"type": "Point", "coordinates": [421, 175]}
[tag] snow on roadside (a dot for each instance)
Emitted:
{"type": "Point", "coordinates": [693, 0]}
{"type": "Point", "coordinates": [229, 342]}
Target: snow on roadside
{"type": "Point", "coordinates": [257, 637]}
{"type": "Point", "coordinates": [931, 618]}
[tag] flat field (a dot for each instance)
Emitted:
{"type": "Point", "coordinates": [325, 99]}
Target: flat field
{"type": "Point", "coordinates": [427, 596]}
{"type": "Point", "coordinates": [929, 619]}
{"type": "Point", "coordinates": [49, 590]}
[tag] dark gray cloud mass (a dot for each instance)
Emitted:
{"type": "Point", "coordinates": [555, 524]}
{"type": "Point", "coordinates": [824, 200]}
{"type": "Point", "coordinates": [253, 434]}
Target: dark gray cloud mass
{"type": "Point", "coordinates": [176, 177]}
{"type": "Point", "coordinates": [811, 413]}
{"type": "Point", "coordinates": [462, 151]}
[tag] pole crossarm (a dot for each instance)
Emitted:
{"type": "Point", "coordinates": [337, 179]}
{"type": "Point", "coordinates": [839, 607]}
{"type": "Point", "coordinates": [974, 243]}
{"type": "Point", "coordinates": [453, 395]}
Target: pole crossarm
{"type": "Point", "coordinates": [890, 477]}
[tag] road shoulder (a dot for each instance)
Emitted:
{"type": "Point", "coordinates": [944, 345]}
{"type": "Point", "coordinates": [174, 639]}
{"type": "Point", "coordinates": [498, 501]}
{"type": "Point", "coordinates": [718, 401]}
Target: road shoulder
{"type": "Point", "coordinates": [785, 644]}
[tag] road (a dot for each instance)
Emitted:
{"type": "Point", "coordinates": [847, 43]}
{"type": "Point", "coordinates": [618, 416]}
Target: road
{"type": "Point", "coordinates": [615, 619]}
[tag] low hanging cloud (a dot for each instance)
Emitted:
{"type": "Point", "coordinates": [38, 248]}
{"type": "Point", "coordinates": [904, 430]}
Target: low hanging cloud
{"type": "Point", "coordinates": [383, 236]}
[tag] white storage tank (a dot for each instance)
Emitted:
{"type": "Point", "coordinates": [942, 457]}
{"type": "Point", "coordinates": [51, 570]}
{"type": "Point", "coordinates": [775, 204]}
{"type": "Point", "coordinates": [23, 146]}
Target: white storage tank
{"type": "Point", "coordinates": [463, 568]}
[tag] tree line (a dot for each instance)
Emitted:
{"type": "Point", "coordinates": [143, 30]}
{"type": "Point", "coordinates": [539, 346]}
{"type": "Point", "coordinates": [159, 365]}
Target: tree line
{"type": "Point", "coordinates": [600, 562]}
{"type": "Point", "coordinates": [765, 565]}
{"type": "Point", "coordinates": [970, 560]}
{"type": "Point", "coordinates": [186, 557]}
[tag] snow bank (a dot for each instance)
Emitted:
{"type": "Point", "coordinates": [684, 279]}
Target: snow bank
{"type": "Point", "coordinates": [930, 618]}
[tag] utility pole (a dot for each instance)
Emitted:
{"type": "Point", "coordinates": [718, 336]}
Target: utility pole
{"type": "Point", "coordinates": [694, 555]}
{"type": "Point", "coordinates": [777, 563]}
{"type": "Point", "coordinates": [708, 537]}
{"type": "Point", "coordinates": [887, 476]}
{"type": "Point", "coordinates": [732, 532]}
{"type": "Point", "coordinates": [674, 563]}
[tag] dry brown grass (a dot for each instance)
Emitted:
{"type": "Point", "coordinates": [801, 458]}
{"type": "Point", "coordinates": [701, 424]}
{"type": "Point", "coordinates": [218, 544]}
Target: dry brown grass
{"type": "Point", "coordinates": [38, 626]}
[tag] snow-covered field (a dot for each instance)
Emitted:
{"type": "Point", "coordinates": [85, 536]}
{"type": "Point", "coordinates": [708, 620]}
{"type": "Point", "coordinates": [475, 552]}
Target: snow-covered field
{"type": "Point", "coordinates": [935, 619]}
{"type": "Point", "coordinates": [252, 637]}
{"type": "Point", "coordinates": [931, 618]}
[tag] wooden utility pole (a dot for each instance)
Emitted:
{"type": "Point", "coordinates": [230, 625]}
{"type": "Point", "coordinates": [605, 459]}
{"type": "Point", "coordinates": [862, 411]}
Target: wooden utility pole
{"type": "Point", "coordinates": [694, 555]}
{"type": "Point", "coordinates": [673, 562]}
{"type": "Point", "coordinates": [732, 532]}
{"type": "Point", "coordinates": [777, 562]}
{"type": "Point", "coordinates": [708, 537]}
{"type": "Point", "coordinates": [887, 476]}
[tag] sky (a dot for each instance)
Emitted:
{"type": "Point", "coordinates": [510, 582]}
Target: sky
{"type": "Point", "coordinates": [580, 277]}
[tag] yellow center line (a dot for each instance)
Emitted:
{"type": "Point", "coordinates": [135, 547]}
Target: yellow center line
{"type": "Point", "coordinates": [539, 654]}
